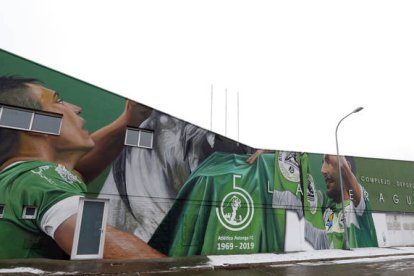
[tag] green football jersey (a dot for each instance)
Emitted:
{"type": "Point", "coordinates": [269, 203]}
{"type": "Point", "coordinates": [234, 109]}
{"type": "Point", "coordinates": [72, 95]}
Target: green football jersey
{"type": "Point", "coordinates": [361, 228]}
{"type": "Point", "coordinates": [313, 198]}
{"type": "Point", "coordinates": [35, 184]}
{"type": "Point", "coordinates": [288, 189]}
{"type": "Point", "coordinates": [225, 207]}
{"type": "Point", "coordinates": [313, 203]}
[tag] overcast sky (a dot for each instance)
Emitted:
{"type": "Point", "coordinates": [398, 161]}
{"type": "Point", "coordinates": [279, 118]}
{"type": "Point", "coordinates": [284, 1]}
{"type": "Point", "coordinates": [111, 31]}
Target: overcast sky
{"type": "Point", "coordinates": [299, 66]}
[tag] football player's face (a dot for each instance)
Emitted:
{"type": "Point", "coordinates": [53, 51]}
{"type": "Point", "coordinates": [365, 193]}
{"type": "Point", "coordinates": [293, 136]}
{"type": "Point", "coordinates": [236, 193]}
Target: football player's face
{"type": "Point", "coordinates": [330, 173]}
{"type": "Point", "coordinates": [73, 136]}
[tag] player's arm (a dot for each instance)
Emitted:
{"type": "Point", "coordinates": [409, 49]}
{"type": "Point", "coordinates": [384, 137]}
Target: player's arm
{"type": "Point", "coordinates": [118, 244]}
{"type": "Point", "coordinates": [252, 158]}
{"type": "Point", "coordinates": [109, 141]}
{"type": "Point", "coordinates": [350, 181]}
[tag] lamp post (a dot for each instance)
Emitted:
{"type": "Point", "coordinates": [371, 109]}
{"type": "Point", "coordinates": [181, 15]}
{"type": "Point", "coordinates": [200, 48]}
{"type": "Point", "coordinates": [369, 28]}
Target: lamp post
{"type": "Point", "coordinates": [340, 175]}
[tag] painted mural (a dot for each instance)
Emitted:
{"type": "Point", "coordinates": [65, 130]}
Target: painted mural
{"type": "Point", "coordinates": [194, 193]}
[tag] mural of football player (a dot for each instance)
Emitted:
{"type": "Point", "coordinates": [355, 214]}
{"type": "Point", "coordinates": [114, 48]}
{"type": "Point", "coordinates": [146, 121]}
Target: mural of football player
{"type": "Point", "coordinates": [357, 214]}
{"type": "Point", "coordinates": [48, 173]}
{"type": "Point", "coordinates": [322, 211]}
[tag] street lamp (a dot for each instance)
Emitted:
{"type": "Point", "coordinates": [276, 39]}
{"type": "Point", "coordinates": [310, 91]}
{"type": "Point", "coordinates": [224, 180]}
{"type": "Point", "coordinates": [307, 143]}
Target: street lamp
{"type": "Point", "coordinates": [340, 175]}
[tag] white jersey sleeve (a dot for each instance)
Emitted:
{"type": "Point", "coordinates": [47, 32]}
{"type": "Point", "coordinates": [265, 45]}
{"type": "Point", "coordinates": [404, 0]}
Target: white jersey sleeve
{"type": "Point", "coordinates": [58, 213]}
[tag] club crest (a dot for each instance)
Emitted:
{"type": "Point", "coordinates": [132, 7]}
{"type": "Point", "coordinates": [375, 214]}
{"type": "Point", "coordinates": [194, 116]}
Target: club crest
{"type": "Point", "coordinates": [67, 175]}
{"type": "Point", "coordinates": [236, 209]}
{"type": "Point", "coordinates": [289, 165]}
{"type": "Point", "coordinates": [311, 195]}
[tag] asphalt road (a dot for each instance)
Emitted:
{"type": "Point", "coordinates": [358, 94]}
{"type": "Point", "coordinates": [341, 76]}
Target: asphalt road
{"type": "Point", "coordinates": [396, 267]}
{"type": "Point", "coordinates": [383, 265]}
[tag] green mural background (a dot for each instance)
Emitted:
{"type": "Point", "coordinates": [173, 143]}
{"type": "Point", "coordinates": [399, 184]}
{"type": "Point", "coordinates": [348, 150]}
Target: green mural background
{"type": "Point", "coordinates": [389, 183]}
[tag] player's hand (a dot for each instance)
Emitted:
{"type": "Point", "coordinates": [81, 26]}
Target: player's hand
{"type": "Point", "coordinates": [344, 163]}
{"type": "Point", "coordinates": [136, 113]}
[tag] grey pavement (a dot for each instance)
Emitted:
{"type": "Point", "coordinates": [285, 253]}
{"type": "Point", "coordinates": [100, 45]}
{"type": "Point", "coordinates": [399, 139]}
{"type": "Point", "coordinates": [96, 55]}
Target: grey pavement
{"type": "Point", "coordinates": [205, 265]}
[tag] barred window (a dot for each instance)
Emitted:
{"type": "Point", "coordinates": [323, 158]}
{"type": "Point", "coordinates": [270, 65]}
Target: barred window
{"type": "Point", "coordinates": [137, 137]}
{"type": "Point", "coordinates": [29, 212]}
{"type": "Point", "coordinates": [30, 120]}
{"type": "Point", "coordinates": [1, 210]}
